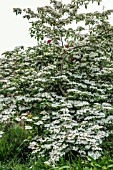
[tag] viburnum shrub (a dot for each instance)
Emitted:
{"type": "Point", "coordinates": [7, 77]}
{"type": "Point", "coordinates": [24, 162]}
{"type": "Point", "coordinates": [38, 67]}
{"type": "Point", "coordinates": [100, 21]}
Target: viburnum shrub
{"type": "Point", "coordinates": [61, 93]}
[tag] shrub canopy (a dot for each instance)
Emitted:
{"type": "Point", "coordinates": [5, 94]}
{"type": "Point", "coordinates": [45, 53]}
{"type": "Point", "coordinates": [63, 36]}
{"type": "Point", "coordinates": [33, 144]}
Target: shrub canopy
{"type": "Point", "coordinates": [63, 93]}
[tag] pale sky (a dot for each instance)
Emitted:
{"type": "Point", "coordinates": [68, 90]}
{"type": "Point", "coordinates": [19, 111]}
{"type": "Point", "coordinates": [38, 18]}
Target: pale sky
{"type": "Point", "coordinates": [14, 29]}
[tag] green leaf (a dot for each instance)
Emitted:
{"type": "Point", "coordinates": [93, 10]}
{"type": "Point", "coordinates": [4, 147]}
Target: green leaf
{"type": "Point", "coordinates": [93, 160]}
{"type": "Point", "coordinates": [110, 166]}
{"type": "Point", "coordinates": [97, 165]}
{"type": "Point", "coordinates": [111, 161]}
{"type": "Point", "coordinates": [104, 167]}
{"type": "Point", "coordinates": [87, 168]}
{"type": "Point", "coordinates": [64, 167]}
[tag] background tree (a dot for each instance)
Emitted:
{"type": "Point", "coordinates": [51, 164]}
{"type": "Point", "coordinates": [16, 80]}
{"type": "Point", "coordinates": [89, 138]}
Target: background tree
{"type": "Point", "coordinates": [62, 93]}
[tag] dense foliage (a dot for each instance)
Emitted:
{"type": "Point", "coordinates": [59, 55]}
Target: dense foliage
{"type": "Point", "coordinates": [61, 93]}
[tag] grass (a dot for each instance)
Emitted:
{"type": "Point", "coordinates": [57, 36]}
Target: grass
{"type": "Point", "coordinates": [105, 163]}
